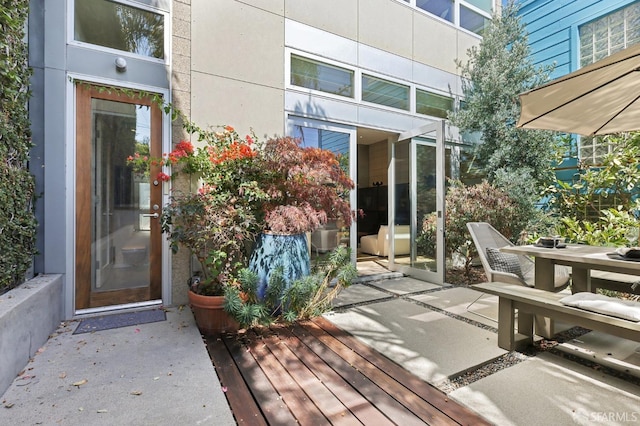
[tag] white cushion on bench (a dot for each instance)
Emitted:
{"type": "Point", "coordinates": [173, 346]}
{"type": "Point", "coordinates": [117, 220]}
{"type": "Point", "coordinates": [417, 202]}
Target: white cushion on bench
{"type": "Point", "coordinates": [625, 309]}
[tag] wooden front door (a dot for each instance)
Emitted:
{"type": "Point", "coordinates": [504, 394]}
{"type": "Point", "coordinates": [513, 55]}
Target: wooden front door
{"type": "Point", "coordinates": [118, 237]}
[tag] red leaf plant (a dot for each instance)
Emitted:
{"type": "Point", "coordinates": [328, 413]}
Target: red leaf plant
{"type": "Point", "coordinates": [247, 187]}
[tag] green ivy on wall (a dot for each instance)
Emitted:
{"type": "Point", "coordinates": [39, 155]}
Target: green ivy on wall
{"type": "Point", "coordinates": [17, 221]}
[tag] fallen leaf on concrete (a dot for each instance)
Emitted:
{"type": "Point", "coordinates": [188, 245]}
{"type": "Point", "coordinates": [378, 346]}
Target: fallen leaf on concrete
{"type": "Point", "coordinates": [63, 375]}
{"type": "Point", "coordinates": [80, 383]}
{"type": "Point", "coordinates": [9, 405]}
{"type": "Point", "coordinates": [102, 411]}
{"type": "Point", "coordinates": [136, 393]}
{"type": "Point", "coordinates": [156, 378]}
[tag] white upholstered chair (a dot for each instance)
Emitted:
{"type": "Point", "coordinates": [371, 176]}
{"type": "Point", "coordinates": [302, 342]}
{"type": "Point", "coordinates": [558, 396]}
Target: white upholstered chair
{"type": "Point", "coordinates": [378, 244]}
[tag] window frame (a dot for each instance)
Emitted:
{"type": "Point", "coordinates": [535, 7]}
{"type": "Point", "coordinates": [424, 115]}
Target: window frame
{"type": "Point", "coordinates": [435, 93]}
{"type": "Point", "coordinates": [131, 3]}
{"type": "Point", "coordinates": [358, 75]}
{"type": "Point", "coordinates": [322, 62]}
{"type": "Point", "coordinates": [601, 18]}
{"type": "Point", "coordinates": [477, 11]}
{"type": "Point", "coordinates": [457, 4]}
{"type": "Point", "coordinates": [408, 85]}
{"type": "Point", "coordinates": [593, 146]}
{"type": "Point", "coordinates": [305, 55]}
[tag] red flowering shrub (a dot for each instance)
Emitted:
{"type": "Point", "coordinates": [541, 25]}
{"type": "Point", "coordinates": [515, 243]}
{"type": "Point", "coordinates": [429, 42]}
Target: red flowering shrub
{"type": "Point", "coordinates": [276, 185]}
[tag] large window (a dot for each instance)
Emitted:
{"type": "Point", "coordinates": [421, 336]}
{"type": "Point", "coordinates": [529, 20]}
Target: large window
{"type": "Point", "coordinates": [472, 15]}
{"type": "Point", "coordinates": [441, 8]}
{"type": "Point", "coordinates": [357, 85]}
{"type": "Point", "coordinates": [318, 75]}
{"type": "Point", "coordinates": [609, 34]}
{"type": "Point", "coordinates": [384, 92]}
{"type": "Point", "coordinates": [119, 26]}
{"type": "Point", "coordinates": [473, 21]}
{"type": "Point", "coordinates": [432, 104]}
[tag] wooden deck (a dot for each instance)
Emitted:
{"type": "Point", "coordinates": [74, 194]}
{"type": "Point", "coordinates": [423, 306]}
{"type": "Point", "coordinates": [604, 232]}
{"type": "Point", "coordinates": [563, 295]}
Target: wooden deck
{"type": "Point", "coordinates": [314, 373]}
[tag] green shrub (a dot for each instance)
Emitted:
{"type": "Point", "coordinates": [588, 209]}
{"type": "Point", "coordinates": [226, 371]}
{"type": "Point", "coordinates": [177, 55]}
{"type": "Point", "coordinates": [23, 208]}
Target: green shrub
{"type": "Point", "coordinates": [17, 222]}
{"type": "Point", "coordinates": [305, 298]}
{"type": "Point", "coordinates": [602, 204]}
{"type": "Point", "coordinates": [482, 202]}
{"type": "Point", "coordinates": [610, 229]}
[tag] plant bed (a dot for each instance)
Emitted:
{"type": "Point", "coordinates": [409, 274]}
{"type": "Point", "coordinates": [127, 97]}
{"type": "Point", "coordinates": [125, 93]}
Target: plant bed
{"type": "Point", "coordinates": [29, 313]}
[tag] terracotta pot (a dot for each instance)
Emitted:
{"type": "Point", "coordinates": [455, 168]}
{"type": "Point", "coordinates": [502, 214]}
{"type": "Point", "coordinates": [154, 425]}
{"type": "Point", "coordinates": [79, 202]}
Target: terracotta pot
{"type": "Point", "coordinates": [211, 318]}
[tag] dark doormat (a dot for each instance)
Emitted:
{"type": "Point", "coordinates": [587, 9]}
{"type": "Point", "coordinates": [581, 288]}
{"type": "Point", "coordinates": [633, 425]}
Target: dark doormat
{"type": "Point", "coordinates": [107, 322]}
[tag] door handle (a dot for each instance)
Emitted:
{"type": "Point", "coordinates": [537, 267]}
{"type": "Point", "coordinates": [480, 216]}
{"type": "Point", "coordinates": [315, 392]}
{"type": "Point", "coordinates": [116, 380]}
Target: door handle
{"type": "Point", "coordinates": [153, 215]}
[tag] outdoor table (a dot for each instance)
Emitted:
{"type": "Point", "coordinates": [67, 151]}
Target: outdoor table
{"type": "Point", "coordinates": [581, 258]}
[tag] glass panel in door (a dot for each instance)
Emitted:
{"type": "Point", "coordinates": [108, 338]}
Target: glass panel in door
{"type": "Point", "coordinates": [334, 233]}
{"type": "Point", "coordinates": [426, 209]}
{"type": "Point", "coordinates": [418, 202]}
{"type": "Point", "coordinates": [118, 244]}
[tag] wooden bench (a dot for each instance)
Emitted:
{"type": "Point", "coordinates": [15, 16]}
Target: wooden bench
{"type": "Point", "coordinates": [529, 301]}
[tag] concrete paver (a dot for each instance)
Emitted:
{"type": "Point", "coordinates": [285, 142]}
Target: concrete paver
{"type": "Point", "coordinates": [358, 293]}
{"type": "Point", "coordinates": [429, 344]}
{"type": "Point", "coordinates": [550, 390]}
{"type": "Point", "coordinates": [440, 343]}
{"type": "Point", "coordinates": [457, 300]}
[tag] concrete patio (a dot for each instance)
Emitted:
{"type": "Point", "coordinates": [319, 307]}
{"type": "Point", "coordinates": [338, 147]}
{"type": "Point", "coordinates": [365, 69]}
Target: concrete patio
{"type": "Point", "coordinates": [159, 373]}
{"type": "Point", "coordinates": [428, 330]}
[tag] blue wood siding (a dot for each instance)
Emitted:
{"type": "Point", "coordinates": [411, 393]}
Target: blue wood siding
{"type": "Point", "coordinates": [552, 27]}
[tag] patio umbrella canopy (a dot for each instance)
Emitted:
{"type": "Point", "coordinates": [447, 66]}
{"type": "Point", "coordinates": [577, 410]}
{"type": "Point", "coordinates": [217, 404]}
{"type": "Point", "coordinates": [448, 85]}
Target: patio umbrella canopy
{"type": "Point", "coordinates": [598, 99]}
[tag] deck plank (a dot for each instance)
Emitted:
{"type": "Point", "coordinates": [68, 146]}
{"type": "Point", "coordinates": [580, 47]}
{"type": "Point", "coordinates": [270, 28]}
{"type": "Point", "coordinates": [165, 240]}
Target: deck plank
{"type": "Point", "coordinates": [381, 399]}
{"type": "Point", "coordinates": [313, 372]}
{"type": "Point", "coordinates": [302, 408]}
{"type": "Point", "coordinates": [363, 409]}
{"type": "Point", "coordinates": [313, 387]}
{"type": "Point", "coordinates": [416, 385]}
{"type": "Point", "coordinates": [273, 407]}
{"type": "Point", "coordinates": [245, 409]}
{"type": "Point", "coordinates": [412, 402]}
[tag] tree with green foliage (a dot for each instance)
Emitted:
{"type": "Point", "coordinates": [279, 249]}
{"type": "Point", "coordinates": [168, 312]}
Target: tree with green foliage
{"type": "Point", "coordinates": [495, 74]}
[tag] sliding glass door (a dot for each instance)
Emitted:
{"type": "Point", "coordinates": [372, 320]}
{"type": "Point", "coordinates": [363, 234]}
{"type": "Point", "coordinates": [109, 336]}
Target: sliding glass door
{"type": "Point", "coordinates": [417, 209]}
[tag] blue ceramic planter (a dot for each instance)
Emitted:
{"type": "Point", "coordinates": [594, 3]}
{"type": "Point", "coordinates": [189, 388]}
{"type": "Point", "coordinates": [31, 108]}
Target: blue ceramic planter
{"type": "Point", "coordinates": [274, 250]}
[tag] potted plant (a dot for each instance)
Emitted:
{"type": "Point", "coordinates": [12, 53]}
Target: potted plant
{"type": "Point", "coordinates": [217, 223]}
{"type": "Point", "coordinates": [303, 298]}
{"type": "Point", "coordinates": [213, 226]}
{"type": "Point", "coordinates": [305, 186]}
{"type": "Point", "coordinates": [249, 190]}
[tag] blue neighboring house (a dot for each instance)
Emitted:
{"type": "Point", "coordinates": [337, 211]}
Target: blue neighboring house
{"type": "Point", "coordinates": [575, 33]}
